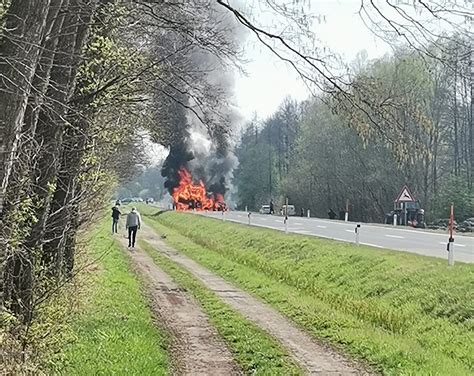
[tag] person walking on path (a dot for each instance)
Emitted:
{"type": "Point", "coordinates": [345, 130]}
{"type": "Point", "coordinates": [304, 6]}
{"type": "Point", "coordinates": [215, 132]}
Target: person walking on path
{"type": "Point", "coordinates": [133, 225]}
{"type": "Point", "coordinates": [115, 219]}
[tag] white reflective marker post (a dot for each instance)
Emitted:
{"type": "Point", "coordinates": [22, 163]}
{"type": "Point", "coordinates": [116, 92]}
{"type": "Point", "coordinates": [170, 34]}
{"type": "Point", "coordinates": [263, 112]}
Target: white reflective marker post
{"type": "Point", "coordinates": [451, 251]}
{"type": "Point", "coordinates": [286, 217]}
{"type": "Point", "coordinates": [451, 238]}
{"type": "Point", "coordinates": [357, 228]}
{"type": "Point", "coordinates": [346, 215]}
{"type": "Point", "coordinates": [394, 219]}
{"type": "Point", "coordinates": [309, 215]}
{"type": "Point", "coordinates": [249, 217]}
{"type": "Point", "coordinates": [223, 215]}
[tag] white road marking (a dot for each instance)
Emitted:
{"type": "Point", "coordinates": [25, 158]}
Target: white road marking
{"type": "Point", "coordinates": [455, 244]}
{"type": "Point", "coordinates": [373, 245]}
{"type": "Point", "coordinates": [302, 232]}
{"type": "Point", "coordinates": [298, 224]}
{"type": "Point", "coordinates": [321, 226]}
{"type": "Point", "coordinates": [262, 219]}
{"type": "Point", "coordinates": [277, 220]}
{"type": "Point", "coordinates": [350, 230]}
{"type": "Point", "coordinates": [395, 236]}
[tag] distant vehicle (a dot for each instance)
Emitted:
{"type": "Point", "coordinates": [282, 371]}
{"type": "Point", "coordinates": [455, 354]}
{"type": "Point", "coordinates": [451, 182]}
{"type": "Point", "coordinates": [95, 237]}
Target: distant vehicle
{"type": "Point", "coordinates": [126, 200]}
{"type": "Point", "coordinates": [150, 200]}
{"type": "Point", "coordinates": [289, 211]}
{"type": "Point", "coordinates": [415, 215]}
{"type": "Point", "coordinates": [466, 226]}
{"type": "Point", "coordinates": [265, 209]}
{"type": "Point", "coordinates": [469, 221]}
{"type": "Point", "coordinates": [220, 206]}
{"type": "Point", "coordinates": [441, 224]}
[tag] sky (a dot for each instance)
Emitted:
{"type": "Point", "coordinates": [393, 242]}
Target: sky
{"type": "Point", "coordinates": [268, 80]}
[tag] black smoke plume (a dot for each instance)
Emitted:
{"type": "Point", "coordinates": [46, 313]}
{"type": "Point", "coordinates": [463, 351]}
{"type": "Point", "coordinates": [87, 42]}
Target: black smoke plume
{"type": "Point", "coordinates": [194, 117]}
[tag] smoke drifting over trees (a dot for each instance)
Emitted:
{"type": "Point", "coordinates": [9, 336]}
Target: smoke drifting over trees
{"type": "Point", "coordinates": [194, 89]}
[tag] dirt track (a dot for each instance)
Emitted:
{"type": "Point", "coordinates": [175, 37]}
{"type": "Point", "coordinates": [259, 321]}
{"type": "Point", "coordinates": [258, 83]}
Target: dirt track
{"type": "Point", "coordinates": [312, 356]}
{"type": "Point", "coordinates": [197, 348]}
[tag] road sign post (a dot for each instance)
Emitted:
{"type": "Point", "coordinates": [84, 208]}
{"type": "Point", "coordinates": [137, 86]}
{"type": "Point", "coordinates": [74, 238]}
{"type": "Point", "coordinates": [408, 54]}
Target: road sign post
{"type": "Point", "coordinates": [404, 197]}
{"type": "Point", "coordinates": [405, 214]}
{"type": "Point", "coordinates": [451, 237]}
{"type": "Point", "coordinates": [357, 231]}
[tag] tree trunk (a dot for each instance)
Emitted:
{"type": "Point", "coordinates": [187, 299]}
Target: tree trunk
{"type": "Point", "coordinates": [19, 51]}
{"type": "Point", "coordinates": [25, 24]}
{"type": "Point", "coordinates": [48, 136]}
{"type": "Point", "coordinates": [52, 118]}
{"type": "Point", "coordinates": [455, 110]}
{"type": "Point", "coordinates": [60, 225]}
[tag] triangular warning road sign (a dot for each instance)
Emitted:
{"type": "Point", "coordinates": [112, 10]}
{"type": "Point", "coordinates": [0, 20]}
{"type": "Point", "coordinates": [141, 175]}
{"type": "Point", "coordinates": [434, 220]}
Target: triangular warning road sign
{"type": "Point", "coordinates": [405, 195]}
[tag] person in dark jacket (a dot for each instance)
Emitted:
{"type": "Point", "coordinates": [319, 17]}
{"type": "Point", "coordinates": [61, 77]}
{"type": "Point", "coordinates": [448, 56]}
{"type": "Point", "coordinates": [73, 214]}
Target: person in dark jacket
{"type": "Point", "coordinates": [332, 214]}
{"type": "Point", "coordinates": [115, 219]}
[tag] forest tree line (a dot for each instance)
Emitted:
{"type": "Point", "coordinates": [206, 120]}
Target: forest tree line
{"type": "Point", "coordinates": [84, 86]}
{"type": "Point", "coordinates": [308, 152]}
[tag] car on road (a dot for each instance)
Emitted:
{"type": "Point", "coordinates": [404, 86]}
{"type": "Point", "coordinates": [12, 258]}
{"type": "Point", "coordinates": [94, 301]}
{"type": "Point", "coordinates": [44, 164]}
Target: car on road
{"type": "Point", "coordinates": [288, 209]}
{"type": "Point", "coordinates": [126, 200]}
{"type": "Point", "coordinates": [466, 226]}
{"type": "Point", "coordinates": [265, 209]}
{"type": "Point", "coordinates": [441, 224]}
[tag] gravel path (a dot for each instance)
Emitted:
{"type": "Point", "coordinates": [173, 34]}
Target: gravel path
{"type": "Point", "coordinates": [312, 356]}
{"type": "Point", "coordinates": [197, 348]}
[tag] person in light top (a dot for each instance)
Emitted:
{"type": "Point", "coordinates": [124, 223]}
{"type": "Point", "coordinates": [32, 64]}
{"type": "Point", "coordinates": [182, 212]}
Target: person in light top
{"type": "Point", "coordinates": [133, 225]}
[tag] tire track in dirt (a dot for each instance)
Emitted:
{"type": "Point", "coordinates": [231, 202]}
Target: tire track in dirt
{"type": "Point", "coordinates": [314, 357]}
{"type": "Point", "coordinates": [197, 348]}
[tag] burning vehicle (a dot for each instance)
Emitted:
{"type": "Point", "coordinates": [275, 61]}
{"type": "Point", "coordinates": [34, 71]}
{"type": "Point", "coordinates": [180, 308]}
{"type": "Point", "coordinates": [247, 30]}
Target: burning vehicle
{"type": "Point", "coordinates": [188, 195]}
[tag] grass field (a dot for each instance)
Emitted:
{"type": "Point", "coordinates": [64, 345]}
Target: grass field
{"type": "Point", "coordinates": [402, 313]}
{"type": "Point", "coordinates": [114, 332]}
{"type": "Point", "coordinates": [254, 350]}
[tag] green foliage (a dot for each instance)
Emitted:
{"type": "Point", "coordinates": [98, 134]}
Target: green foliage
{"type": "Point", "coordinates": [114, 331]}
{"type": "Point", "coordinates": [256, 352]}
{"type": "Point", "coordinates": [33, 348]}
{"type": "Point", "coordinates": [149, 183]}
{"type": "Point", "coordinates": [455, 191]}
{"type": "Point", "coordinates": [405, 314]}
{"type": "Point", "coordinates": [394, 126]}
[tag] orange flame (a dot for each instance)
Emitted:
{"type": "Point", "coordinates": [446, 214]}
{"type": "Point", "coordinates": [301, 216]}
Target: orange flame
{"type": "Point", "coordinates": [188, 195]}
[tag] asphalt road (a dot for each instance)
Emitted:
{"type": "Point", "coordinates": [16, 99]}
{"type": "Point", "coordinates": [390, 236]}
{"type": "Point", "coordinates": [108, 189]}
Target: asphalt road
{"type": "Point", "coordinates": [395, 238]}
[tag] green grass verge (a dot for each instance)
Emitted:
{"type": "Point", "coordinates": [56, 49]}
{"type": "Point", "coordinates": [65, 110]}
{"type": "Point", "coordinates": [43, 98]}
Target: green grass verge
{"type": "Point", "coordinates": [255, 351]}
{"type": "Point", "coordinates": [114, 330]}
{"type": "Point", "coordinates": [402, 313]}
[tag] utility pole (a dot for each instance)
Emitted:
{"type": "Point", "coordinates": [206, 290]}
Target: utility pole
{"type": "Point", "coordinates": [270, 159]}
